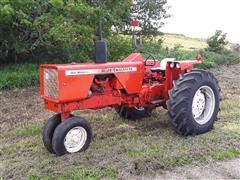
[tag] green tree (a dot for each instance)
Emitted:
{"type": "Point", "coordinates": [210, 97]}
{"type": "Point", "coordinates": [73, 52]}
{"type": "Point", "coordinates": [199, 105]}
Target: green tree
{"type": "Point", "coordinates": [65, 30]}
{"type": "Point", "coordinates": [60, 29]}
{"type": "Point", "coordinates": [150, 14]}
{"type": "Point", "coordinates": [217, 42]}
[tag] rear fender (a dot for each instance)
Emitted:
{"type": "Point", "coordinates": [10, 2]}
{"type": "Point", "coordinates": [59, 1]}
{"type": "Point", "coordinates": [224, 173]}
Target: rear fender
{"type": "Point", "coordinates": [188, 65]}
{"type": "Point", "coordinates": [173, 73]}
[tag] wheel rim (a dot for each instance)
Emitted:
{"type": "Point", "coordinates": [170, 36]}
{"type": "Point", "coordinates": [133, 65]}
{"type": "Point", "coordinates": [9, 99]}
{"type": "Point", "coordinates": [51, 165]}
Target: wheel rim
{"type": "Point", "coordinates": [140, 108]}
{"type": "Point", "coordinates": [75, 139]}
{"type": "Point", "coordinates": [203, 105]}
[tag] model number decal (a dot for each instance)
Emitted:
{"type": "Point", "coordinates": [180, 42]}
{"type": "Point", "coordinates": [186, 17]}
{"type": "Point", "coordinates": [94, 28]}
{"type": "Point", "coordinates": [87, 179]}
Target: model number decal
{"type": "Point", "coordinates": [100, 71]}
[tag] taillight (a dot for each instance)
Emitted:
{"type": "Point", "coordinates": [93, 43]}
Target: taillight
{"type": "Point", "coordinates": [51, 86]}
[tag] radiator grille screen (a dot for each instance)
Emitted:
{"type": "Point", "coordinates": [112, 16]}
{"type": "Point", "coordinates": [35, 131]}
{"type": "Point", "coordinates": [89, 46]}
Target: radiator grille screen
{"type": "Point", "coordinates": [51, 86]}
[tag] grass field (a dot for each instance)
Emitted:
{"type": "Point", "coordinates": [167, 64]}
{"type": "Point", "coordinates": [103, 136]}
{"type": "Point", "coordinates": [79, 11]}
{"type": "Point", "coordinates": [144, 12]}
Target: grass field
{"type": "Point", "coordinates": [120, 149]}
{"type": "Point", "coordinates": [187, 43]}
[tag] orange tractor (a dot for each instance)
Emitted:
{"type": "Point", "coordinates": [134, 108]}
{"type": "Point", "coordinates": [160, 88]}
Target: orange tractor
{"type": "Point", "coordinates": [133, 87]}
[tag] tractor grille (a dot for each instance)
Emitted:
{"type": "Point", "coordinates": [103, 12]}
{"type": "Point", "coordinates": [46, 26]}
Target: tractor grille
{"type": "Point", "coordinates": [51, 87]}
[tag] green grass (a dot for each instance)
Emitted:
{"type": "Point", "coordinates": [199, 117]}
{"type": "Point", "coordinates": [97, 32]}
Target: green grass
{"type": "Point", "coordinates": [152, 152]}
{"type": "Point", "coordinates": [80, 173]}
{"type": "Point", "coordinates": [18, 76]}
{"type": "Point", "coordinates": [121, 146]}
{"type": "Point", "coordinates": [225, 154]}
{"type": "Point", "coordinates": [187, 43]}
{"type": "Point", "coordinates": [33, 129]}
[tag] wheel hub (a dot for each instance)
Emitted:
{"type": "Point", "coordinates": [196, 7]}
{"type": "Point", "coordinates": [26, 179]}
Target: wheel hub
{"type": "Point", "coordinates": [198, 105]}
{"type": "Point", "coordinates": [75, 139]}
{"type": "Point", "coordinates": [140, 108]}
{"type": "Point", "coordinates": [203, 105]}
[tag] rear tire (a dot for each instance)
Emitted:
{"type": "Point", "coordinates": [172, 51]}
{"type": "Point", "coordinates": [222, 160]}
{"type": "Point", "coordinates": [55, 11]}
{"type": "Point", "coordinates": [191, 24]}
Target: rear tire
{"type": "Point", "coordinates": [48, 131]}
{"type": "Point", "coordinates": [133, 113]}
{"type": "Point", "coordinates": [72, 136]}
{"type": "Point", "coordinates": [193, 103]}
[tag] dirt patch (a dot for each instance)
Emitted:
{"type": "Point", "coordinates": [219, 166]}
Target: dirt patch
{"type": "Point", "coordinates": [146, 149]}
{"type": "Point", "coordinates": [220, 170]}
{"type": "Point", "coordinates": [21, 106]}
{"type": "Point", "coordinates": [229, 79]}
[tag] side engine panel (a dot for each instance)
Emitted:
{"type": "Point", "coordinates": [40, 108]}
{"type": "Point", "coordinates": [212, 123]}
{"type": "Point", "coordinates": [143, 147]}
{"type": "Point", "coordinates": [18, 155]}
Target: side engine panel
{"type": "Point", "coordinates": [67, 83]}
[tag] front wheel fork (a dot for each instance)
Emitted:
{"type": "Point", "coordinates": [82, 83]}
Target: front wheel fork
{"type": "Point", "coordinates": [65, 116]}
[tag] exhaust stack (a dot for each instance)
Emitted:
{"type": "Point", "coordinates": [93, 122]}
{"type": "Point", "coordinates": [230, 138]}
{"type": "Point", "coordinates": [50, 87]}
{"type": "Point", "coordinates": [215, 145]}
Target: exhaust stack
{"type": "Point", "coordinates": [101, 47]}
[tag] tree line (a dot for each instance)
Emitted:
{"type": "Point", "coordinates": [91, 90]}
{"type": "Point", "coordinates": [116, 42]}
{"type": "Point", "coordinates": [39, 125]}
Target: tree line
{"type": "Point", "coordinates": [65, 30]}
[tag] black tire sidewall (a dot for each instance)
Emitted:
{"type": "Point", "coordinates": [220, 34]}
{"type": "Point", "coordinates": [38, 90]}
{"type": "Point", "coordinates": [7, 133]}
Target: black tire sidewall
{"type": "Point", "coordinates": [181, 98]}
{"type": "Point", "coordinates": [48, 131]}
{"type": "Point", "coordinates": [62, 130]}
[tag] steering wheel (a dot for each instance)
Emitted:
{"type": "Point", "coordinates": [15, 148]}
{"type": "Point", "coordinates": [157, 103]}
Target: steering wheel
{"type": "Point", "coordinates": [148, 58]}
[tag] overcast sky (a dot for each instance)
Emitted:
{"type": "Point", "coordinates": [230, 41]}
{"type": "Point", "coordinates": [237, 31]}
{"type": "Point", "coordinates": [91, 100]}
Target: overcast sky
{"type": "Point", "coordinates": [201, 18]}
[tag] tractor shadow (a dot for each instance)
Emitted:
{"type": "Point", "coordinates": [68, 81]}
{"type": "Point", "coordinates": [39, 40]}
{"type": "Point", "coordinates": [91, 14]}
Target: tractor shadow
{"type": "Point", "coordinates": [157, 121]}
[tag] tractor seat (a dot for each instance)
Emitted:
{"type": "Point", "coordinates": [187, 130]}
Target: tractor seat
{"type": "Point", "coordinates": [163, 65]}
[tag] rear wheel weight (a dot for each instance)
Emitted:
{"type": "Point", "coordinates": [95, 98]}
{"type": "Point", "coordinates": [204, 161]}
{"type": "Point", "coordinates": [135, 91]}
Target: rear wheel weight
{"type": "Point", "coordinates": [193, 103]}
{"type": "Point", "coordinates": [72, 136]}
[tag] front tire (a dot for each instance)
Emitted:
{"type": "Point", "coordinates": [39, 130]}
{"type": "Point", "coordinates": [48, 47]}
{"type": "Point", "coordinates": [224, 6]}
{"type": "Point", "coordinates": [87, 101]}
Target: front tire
{"type": "Point", "coordinates": [193, 103]}
{"type": "Point", "coordinates": [72, 136]}
{"type": "Point", "coordinates": [48, 131]}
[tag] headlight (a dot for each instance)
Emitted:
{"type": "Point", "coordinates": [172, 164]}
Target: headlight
{"type": "Point", "coordinates": [172, 65]}
{"type": "Point", "coordinates": [178, 66]}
